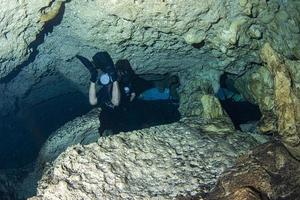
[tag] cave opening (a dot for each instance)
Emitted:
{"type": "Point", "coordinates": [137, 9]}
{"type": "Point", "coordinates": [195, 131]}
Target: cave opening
{"type": "Point", "coordinates": [239, 109]}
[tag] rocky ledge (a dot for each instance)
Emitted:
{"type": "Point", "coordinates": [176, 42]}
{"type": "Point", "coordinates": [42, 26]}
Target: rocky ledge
{"type": "Point", "coordinates": [161, 162]}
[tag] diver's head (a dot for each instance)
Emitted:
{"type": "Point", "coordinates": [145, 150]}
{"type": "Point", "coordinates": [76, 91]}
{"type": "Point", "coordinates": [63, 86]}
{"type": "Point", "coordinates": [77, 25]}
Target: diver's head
{"type": "Point", "coordinates": [125, 71]}
{"type": "Point", "coordinates": [103, 61]}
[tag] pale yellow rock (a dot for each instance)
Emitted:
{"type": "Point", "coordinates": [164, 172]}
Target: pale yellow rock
{"type": "Point", "coordinates": [126, 10]}
{"type": "Point", "coordinates": [230, 35]}
{"type": "Point", "coordinates": [211, 107]}
{"type": "Point", "coordinates": [52, 12]}
{"type": "Point", "coordinates": [268, 122]}
{"type": "Point", "coordinates": [257, 87]}
{"type": "Point", "coordinates": [286, 101]}
{"type": "Point", "coordinates": [194, 37]}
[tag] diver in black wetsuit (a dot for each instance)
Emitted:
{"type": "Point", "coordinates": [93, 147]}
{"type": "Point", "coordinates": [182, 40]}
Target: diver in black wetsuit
{"type": "Point", "coordinates": [116, 85]}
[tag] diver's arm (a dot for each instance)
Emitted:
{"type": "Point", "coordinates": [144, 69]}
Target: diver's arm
{"type": "Point", "coordinates": [116, 94]}
{"type": "Point", "coordinates": [92, 94]}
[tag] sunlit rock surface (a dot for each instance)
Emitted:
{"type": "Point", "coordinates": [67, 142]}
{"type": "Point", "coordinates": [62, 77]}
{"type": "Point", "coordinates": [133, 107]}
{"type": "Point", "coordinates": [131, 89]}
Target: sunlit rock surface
{"type": "Point", "coordinates": [267, 172]}
{"type": "Point", "coordinates": [159, 162]}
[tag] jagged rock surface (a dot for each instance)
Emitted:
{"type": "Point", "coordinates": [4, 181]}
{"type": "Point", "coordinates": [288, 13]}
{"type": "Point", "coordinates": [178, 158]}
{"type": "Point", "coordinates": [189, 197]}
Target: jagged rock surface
{"type": "Point", "coordinates": [159, 162]}
{"type": "Point", "coordinates": [275, 88]}
{"type": "Point", "coordinates": [82, 130]}
{"type": "Point", "coordinates": [267, 172]}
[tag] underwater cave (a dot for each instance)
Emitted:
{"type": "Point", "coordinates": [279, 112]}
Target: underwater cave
{"type": "Point", "coordinates": [178, 138]}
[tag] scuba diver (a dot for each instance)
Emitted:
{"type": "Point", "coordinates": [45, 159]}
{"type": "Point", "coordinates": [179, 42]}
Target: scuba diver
{"type": "Point", "coordinates": [127, 76]}
{"type": "Point", "coordinates": [116, 85]}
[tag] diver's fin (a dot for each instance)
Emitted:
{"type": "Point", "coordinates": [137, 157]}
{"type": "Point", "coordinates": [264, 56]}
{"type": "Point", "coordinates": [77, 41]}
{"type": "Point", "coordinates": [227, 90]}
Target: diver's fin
{"type": "Point", "coordinates": [88, 64]}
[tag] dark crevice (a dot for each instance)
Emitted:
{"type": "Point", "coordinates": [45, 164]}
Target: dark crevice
{"type": "Point", "coordinates": [199, 45]}
{"type": "Point", "coordinates": [236, 106]}
{"type": "Point", "coordinates": [144, 114]}
{"type": "Point", "coordinates": [40, 38]}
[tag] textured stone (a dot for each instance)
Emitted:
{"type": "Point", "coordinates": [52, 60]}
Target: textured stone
{"type": "Point", "coordinates": [194, 92]}
{"type": "Point", "coordinates": [211, 107]}
{"type": "Point", "coordinates": [158, 162]}
{"type": "Point", "coordinates": [286, 100]}
{"type": "Point", "coordinates": [19, 26]}
{"type": "Point", "coordinates": [268, 172]}
{"type": "Point", "coordinates": [257, 87]}
{"type": "Point", "coordinates": [49, 14]}
{"type": "Point", "coordinates": [77, 131]}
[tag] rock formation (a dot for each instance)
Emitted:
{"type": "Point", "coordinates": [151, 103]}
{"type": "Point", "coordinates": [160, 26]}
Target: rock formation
{"type": "Point", "coordinates": [159, 162]}
{"type": "Point", "coordinates": [286, 97]}
{"type": "Point", "coordinates": [268, 172]}
{"type": "Point", "coordinates": [21, 22]}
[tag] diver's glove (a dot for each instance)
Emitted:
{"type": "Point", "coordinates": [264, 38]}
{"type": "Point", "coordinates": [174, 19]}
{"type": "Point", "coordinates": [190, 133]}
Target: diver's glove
{"type": "Point", "coordinates": [88, 64]}
{"type": "Point", "coordinates": [112, 72]}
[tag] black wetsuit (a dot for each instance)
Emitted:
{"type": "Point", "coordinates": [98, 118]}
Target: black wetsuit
{"type": "Point", "coordinates": [111, 117]}
{"type": "Point", "coordinates": [107, 116]}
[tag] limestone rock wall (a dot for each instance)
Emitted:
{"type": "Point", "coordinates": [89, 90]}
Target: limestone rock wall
{"type": "Point", "coordinates": [287, 101]}
{"type": "Point", "coordinates": [275, 88]}
{"type": "Point", "coordinates": [197, 93]}
{"type": "Point", "coordinates": [21, 22]}
{"type": "Point", "coordinates": [160, 162]}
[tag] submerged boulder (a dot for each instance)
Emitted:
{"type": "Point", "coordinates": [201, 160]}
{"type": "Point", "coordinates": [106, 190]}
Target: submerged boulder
{"type": "Point", "coordinates": [164, 161]}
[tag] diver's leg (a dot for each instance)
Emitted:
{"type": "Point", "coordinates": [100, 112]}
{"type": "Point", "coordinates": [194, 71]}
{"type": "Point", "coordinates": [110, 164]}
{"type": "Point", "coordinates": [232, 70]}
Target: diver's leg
{"type": "Point", "coordinates": [105, 121]}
